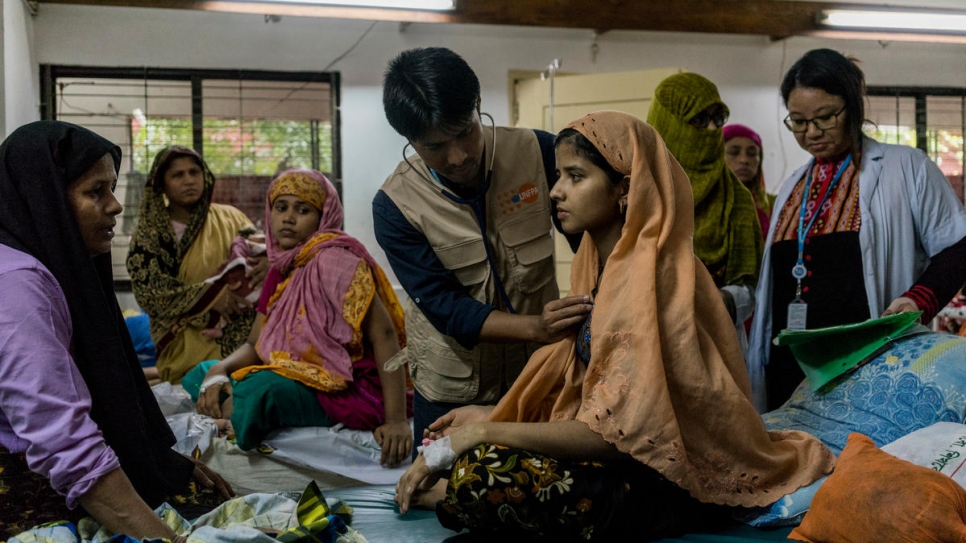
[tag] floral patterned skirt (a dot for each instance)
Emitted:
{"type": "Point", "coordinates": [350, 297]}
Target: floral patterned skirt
{"type": "Point", "coordinates": [513, 491]}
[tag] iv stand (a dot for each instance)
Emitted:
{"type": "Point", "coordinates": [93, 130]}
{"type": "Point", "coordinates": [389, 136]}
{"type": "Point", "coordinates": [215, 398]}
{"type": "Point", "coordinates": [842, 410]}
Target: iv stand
{"type": "Point", "coordinates": [549, 74]}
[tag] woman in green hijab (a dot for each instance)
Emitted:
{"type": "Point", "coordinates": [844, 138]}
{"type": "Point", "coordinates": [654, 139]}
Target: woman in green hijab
{"type": "Point", "coordinates": [689, 114]}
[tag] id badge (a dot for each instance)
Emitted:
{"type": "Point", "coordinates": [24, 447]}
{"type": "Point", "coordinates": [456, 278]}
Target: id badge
{"type": "Point", "coordinates": [797, 312]}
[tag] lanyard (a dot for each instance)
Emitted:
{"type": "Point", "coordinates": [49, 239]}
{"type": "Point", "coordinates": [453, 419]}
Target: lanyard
{"type": "Point", "coordinates": [798, 270]}
{"type": "Point", "coordinates": [477, 204]}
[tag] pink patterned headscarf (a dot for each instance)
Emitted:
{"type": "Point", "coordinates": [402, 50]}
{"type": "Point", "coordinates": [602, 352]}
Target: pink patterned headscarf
{"type": "Point", "coordinates": [313, 187]}
{"type": "Point", "coordinates": [736, 130]}
{"type": "Point", "coordinates": [312, 331]}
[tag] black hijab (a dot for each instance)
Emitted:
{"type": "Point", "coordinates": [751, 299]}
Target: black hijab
{"type": "Point", "coordinates": [37, 162]}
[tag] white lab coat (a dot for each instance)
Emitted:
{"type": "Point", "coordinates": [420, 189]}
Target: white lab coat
{"type": "Point", "coordinates": [909, 213]}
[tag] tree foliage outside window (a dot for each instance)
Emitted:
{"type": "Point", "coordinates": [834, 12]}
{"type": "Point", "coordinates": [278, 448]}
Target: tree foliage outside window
{"type": "Point", "coordinates": [902, 135]}
{"type": "Point", "coordinates": [233, 147]}
{"type": "Point", "coordinates": [946, 148]}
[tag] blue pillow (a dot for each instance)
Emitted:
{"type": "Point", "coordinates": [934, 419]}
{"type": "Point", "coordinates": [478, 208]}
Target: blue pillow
{"type": "Point", "coordinates": [139, 328]}
{"type": "Point", "coordinates": [919, 381]}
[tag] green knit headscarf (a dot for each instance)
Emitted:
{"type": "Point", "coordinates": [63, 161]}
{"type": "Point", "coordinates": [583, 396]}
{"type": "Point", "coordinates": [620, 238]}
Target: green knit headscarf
{"type": "Point", "coordinates": [727, 235]}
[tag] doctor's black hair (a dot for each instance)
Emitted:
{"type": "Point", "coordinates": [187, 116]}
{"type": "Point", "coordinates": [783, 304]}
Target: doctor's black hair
{"type": "Point", "coordinates": [430, 87]}
{"type": "Point", "coordinates": [837, 75]}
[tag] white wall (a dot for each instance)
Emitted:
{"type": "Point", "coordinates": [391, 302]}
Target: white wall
{"type": "Point", "coordinates": [20, 94]}
{"type": "Point", "coordinates": [747, 69]}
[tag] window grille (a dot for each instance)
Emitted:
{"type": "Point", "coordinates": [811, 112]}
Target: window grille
{"type": "Point", "coordinates": [932, 119]}
{"type": "Point", "coordinates": [248, 125]}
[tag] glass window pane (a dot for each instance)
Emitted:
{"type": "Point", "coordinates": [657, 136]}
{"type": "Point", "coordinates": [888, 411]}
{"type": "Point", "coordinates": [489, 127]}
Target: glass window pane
{"type": "Point", "coordinates": [893, 119]}
{"type": "Point", "coordinates": [251, 130]}
{"type": "Point", "coordinates": [944, 115]}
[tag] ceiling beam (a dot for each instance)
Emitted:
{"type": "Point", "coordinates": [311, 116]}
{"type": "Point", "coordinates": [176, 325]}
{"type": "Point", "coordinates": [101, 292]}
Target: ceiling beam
{"type": "Point", "coordinates": [775, 18]}
{"type": "Point", "coordinates": [762, 17]}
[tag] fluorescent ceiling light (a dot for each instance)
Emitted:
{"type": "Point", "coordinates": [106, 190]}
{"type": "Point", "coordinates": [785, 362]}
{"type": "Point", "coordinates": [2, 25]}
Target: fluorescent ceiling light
{"type": "Point", "coordinates": [912, 21]}
{"type": "Point", "coordinates": [426, 5]}
{"type": "Point", "coordinates": [883, 37]}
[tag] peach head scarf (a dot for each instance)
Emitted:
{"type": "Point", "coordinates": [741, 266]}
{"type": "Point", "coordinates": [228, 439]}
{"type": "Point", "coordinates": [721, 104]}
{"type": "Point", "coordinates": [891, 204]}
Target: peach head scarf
{"type": "Point", "coordinates": [666, 382]}
{"type": "Point", "coordinates": [313, 327]}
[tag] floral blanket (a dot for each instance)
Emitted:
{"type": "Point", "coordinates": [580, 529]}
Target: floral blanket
{"type": "Point", "coordinates": [255, 518]}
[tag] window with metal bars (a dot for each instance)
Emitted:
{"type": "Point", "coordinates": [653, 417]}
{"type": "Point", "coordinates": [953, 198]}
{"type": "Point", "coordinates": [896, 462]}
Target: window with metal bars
{"type": "Point", "coordinates": [248, 125]}
{"type": "Point", "coordinates": [930, 118]}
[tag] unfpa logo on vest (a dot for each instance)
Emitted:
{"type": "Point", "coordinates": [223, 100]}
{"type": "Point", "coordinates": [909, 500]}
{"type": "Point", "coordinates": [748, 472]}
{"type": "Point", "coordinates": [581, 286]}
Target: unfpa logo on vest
{"type": "Point", "coordinates": [527, 193]}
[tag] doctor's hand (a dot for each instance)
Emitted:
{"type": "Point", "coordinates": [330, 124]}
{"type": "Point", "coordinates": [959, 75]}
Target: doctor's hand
{"type": "Point", "coordinates": [561, 317]}
{"type": "Point", "coordinates": [900, 305]}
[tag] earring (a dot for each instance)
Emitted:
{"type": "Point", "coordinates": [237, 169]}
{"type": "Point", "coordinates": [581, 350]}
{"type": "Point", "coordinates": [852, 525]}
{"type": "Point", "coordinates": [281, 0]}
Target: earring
{"type": "Point", "coordinates": [622, 205]}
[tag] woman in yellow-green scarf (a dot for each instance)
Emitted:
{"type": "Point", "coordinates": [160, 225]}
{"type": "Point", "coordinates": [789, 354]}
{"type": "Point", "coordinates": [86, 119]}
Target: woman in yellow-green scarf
{"type": "Point", "coordinates": [181, 241]}
{"type": "Point", "coordinates": [689, 114]}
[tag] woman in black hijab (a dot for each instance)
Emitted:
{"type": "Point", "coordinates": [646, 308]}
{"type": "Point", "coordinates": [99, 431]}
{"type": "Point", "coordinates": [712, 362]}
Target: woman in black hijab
{"type": "Point", "coordinates": [57, 212]}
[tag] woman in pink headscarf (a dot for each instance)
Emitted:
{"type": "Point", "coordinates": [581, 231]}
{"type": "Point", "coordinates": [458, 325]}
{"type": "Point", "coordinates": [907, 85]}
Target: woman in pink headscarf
{"type": "Point", "coordinates": [743, 154]}
{"type": "Point", "coordinates": [328, 321]}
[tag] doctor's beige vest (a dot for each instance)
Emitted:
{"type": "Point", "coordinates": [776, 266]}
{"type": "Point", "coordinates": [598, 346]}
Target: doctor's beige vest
{"type": "Point", "coordinates": [521, 243]}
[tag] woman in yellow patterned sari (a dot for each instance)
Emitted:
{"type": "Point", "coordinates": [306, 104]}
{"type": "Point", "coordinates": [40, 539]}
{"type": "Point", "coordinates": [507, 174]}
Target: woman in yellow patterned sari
{"type": "Point", "coordinates": [328, 321]}
{"type": "Point", "coordinates": [181, 241]}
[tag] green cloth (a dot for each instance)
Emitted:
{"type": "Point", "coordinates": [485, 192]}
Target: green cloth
{"type": "Point", "coordinates": [266, 401]}
{"type": "Point", "coordinates": [727, 234]}
{"type": "Point", "coordinates": [263, 401]}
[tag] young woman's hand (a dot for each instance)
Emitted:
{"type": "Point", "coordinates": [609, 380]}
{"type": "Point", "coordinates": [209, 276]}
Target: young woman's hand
{"type": "Point", "coordinates": [421, 478]}
{"type": "Point", "coordinates": [456, 419]}
{"type": "Point", "coordinates": [418, 478]}
{"type": "Point", "coordinates": [215, 382]}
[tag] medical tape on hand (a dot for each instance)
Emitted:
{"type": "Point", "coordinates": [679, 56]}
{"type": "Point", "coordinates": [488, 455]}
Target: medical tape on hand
{"type": "Point", "coordinates": [212, 381]}
{"type": "Point", "coordinates": [439, 454]}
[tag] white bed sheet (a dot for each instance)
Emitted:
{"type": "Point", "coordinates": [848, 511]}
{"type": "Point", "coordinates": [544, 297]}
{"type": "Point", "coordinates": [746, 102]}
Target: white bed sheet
{"type": "Point", "coordinates": [334, 457]}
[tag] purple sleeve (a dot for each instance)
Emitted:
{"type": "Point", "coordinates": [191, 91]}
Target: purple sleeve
{"type": "Point", "coordinates": [44, 402]}
{"type": "Point", "coordinates": [272, 280]}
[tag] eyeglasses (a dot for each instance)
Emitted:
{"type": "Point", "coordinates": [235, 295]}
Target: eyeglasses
{"type": "Point", "coordinates": [701, 120]}
{"type": "Point", "coordinates": [824, 122]}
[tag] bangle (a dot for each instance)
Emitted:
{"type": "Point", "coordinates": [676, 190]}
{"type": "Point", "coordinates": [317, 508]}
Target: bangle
{"type": "Point", "coordinates": [212, 381]}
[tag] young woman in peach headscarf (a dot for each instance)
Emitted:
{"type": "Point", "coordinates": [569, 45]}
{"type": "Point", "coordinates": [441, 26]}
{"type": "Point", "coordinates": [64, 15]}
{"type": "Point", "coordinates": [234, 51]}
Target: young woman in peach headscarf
{"type": "Point", "coordinates": [642, 423]}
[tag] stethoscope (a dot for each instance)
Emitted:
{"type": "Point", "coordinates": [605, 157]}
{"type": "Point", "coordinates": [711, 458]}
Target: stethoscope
{"type": "Point", "coordinates": [476, 203]}
{"type": "Point", "coordinates": [435, 180]}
